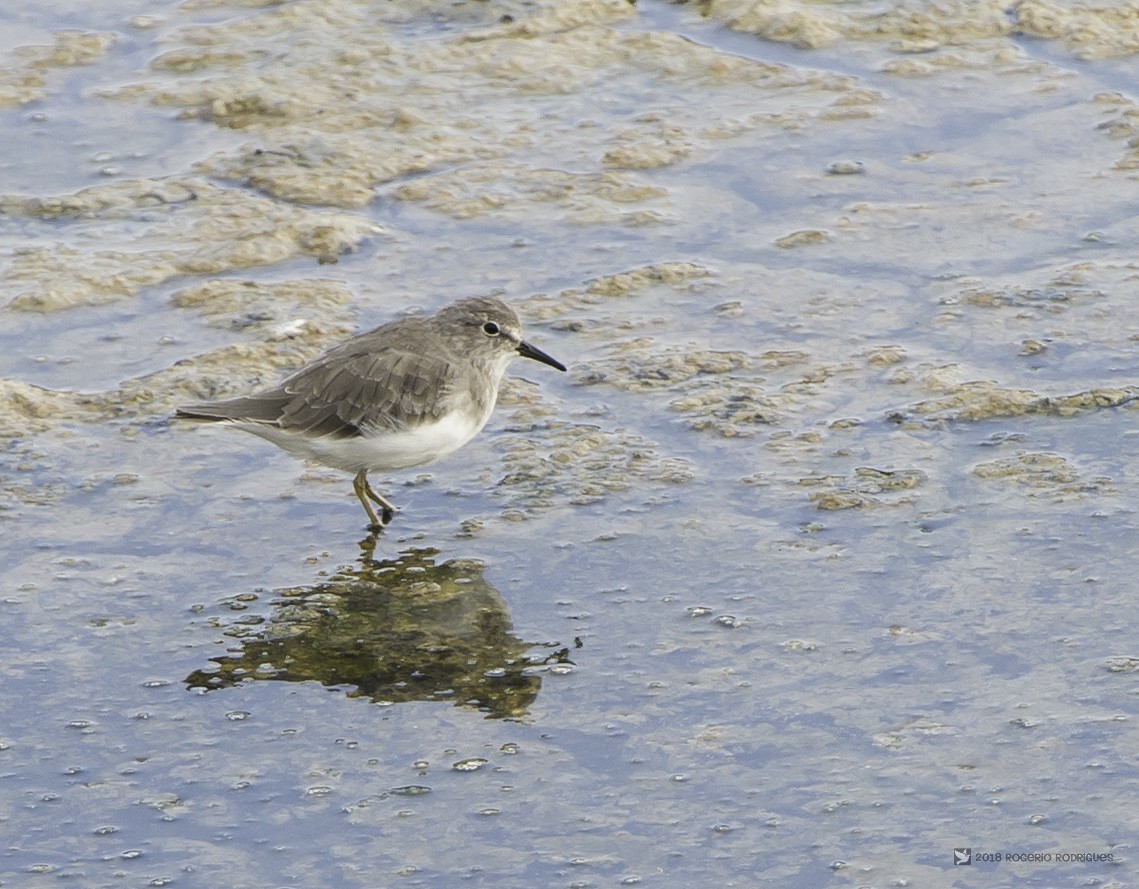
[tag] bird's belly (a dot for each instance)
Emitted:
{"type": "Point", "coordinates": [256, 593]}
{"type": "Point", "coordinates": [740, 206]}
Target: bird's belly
{"type": "Point", "coordinates": [382, 450]}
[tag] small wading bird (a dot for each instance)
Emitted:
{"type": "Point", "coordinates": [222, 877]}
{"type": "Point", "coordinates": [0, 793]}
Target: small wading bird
{"type": "Point", "coordinates": [402, 395]}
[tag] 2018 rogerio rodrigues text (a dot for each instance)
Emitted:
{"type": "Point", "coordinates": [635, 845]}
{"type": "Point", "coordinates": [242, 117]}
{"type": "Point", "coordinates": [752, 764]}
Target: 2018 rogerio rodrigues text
{"type": "Point", "coordinates": [967, 855]}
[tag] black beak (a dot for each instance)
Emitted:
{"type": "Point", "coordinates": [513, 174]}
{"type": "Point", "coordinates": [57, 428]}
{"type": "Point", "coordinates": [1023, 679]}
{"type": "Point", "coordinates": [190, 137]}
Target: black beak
{"type": "Point", "coordinates": [528, 351]}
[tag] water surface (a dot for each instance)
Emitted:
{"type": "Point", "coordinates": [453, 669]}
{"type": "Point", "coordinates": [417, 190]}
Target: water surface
{"type": "Point", "coordinates": [815, 567]}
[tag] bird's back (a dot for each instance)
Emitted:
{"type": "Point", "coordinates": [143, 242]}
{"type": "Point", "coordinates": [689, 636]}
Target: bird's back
{"type": "Point", "coordinates": [395, 377]}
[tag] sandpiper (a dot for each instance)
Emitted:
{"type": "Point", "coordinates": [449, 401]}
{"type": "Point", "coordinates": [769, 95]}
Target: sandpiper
{"type": "Point", "coordinates": [401, 395]}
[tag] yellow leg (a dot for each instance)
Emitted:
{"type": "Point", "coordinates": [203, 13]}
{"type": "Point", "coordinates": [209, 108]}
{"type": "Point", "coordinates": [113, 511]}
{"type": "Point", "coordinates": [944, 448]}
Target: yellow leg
{"type": "Point", "coordinates": [365, 493]}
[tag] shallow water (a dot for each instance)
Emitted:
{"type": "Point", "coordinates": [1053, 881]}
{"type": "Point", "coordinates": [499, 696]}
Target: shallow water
{"type": "Point", "coordinates": [814, 567]}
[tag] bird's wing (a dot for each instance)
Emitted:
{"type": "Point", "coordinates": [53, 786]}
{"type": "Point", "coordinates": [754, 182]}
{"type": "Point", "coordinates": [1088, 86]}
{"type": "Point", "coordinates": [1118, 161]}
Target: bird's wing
{"type": "Point", "coordinates": [349, 391]}
{"type": "Point", "coordinates": [363, 384]}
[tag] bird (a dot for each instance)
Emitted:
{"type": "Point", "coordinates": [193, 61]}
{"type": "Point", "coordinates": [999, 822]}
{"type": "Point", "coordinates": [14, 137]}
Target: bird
{"type": "Point", "coordinates": [404, 394]}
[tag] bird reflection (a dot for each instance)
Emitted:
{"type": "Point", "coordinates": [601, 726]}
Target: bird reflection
{"type": "Point", "coordinates": [393, 630]}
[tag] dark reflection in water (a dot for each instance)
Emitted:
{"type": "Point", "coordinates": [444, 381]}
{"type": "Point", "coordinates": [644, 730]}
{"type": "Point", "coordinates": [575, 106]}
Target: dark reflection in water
{"type": "Point", "coordinates": [403, 629]}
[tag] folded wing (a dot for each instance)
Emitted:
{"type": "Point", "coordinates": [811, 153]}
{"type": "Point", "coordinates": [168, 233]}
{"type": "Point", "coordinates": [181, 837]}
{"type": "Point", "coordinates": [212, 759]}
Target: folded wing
{"type": "Point", "coordinates": [347, 392]}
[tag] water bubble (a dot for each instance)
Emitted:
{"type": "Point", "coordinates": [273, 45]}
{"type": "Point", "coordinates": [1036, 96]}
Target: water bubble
{"type": "Point", "coordinates": [469, 765]}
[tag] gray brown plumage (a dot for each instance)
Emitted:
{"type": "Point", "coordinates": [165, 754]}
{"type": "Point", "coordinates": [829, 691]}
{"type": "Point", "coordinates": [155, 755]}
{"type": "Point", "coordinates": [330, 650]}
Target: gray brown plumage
{"type": "Point", "coordinates": [401, 395]}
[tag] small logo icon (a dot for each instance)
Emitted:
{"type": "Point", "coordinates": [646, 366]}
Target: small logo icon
{"type": "Point", "coordinates": [962, 856]}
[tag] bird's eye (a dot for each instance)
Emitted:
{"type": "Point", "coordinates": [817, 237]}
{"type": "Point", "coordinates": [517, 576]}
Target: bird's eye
{"type": "Point", "coordinates": [491, 329]}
